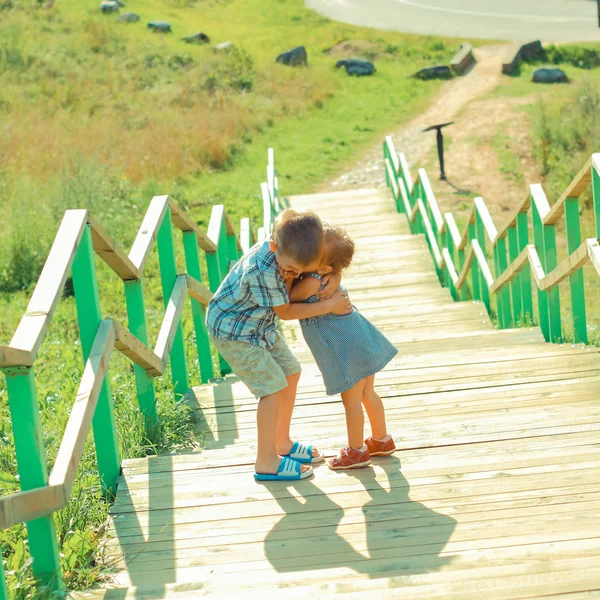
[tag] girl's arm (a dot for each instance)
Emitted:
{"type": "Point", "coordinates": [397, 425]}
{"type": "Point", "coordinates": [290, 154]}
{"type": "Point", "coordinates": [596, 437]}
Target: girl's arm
{"type": "Point", "coordinates": [304, 288]}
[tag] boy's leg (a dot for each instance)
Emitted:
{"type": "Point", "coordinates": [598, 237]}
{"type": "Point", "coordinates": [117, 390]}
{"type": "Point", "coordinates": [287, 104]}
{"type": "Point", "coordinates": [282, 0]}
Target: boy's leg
{"type": "Point", "coordinates": [374, 407]}
{"type": "Point", "coordinates": [355, 418]}
{"type": "Point", "coordinates": [283, 440]}
{"type": "Point", "coordinates": [289, 364]}
{"type": "Point", "coordinates": [267, 458]}
{"type": "Point", "coordinates": [256, 368]}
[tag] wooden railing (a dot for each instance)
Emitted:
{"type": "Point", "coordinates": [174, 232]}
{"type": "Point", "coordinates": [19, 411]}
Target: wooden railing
{"type": "Point", "coordinates": [460, 257]}
{"type": "Point", "coordinates": [78, 239]}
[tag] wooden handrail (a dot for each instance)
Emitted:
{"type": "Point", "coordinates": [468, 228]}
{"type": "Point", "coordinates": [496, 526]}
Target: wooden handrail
{"type": "Point", "coordinates": [511, 240]}
{"type": "Point", "coordinates": [78, 239]}
{"type": "Point", "coordinates": [106, 248]}
{"type": "Point", "coordinates": [146, 236]}
{"type": "Point", "coordinates": [35, 322]}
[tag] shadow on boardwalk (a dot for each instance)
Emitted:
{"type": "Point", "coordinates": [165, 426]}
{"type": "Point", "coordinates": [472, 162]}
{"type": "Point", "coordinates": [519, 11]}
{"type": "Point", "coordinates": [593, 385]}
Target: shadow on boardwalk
{"type": "Point", "coordinates": [389, 534]}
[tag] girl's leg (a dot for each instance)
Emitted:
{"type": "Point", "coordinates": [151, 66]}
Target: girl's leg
{"type": "Point", "coordinates": [374, 407]}
{"type": "Point", "coordinates": [355, 418]}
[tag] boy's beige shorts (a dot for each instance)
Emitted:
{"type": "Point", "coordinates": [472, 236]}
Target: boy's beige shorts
{"type": "Point", "coordinates": [263, 370]}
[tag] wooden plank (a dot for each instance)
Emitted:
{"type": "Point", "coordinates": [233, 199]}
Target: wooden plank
{"type": "Point", "coordinates": [146, 236]}
{"type": "Point", "coordinates": [108, 250]}
{"type": "Point", "coordinates": [198, 291]}
{"type": "Point", "coordinates": [168, 329]}
{"type": "Point", "coordinates": [486, 218]}
{"type": "Point", "coordinates": [184, 223]}
{"type": "Point", "coordinates": [35, 322]}
{"type": "Point", "coordinates": [523, 207]}
{"type": "Point", "coordinates": [381, 518]}
{"type": "Point", "coordinates": [552, 557]}
{"type": "Point", "coordinates": [429, 195]}
{"type": "Point", "coordinates": [129, 345]}
{"type": "Point", "coordinates": [200, 490]}
{"type": "Point", "coordinates": [577, 186]}
{"type": "Point", "coordinates": [21, 507]}
{"type": "Point", "coordinates": [80, 418]}
{"type": "Point", "coordinates": [14, 357]}
{"type": "Point", "coordinates": [419, 540]}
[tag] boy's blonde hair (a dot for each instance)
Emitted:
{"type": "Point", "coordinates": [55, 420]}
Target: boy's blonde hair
{"type": "Point", "coordinates": [299, 235]}
{"type": "Point", "coordinates": [339, 248]}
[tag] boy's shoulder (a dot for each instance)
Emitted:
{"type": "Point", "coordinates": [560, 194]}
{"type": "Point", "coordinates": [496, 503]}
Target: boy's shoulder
{"type": "Point", "coordinates": [259, 259]}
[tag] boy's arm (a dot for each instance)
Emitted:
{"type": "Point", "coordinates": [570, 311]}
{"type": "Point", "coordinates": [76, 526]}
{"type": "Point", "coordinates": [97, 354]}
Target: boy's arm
{"type": "Point", "coordinates": [304, 288]}
{"type": "Point", "coordinates": [338, 304]}
{"type": "Point", "coordinates": [332, 285]}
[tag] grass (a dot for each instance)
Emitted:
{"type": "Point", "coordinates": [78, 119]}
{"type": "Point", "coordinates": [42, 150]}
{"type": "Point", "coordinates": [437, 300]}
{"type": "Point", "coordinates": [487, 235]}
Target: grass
{"type": "Point", "coordinates": [103, 115]}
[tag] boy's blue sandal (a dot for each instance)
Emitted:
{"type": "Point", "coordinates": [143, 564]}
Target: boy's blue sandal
{"type": "Point", "coordinates": [289, 470]}
{"type": "Point", "coordinates": [303, 454]}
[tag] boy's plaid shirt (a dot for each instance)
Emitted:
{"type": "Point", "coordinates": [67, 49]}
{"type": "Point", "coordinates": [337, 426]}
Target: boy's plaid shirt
{"type": "Point", "coordinates": [242, 307]}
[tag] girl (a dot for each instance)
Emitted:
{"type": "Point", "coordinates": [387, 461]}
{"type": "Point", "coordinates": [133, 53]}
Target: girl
{"type": "Point", "coordinates": [349, 351]}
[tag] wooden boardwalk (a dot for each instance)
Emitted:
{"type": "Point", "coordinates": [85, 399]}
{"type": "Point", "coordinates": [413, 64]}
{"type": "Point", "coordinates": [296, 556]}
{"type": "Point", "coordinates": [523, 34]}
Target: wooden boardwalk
{"type": "Point", "coordinates": [494, 493]}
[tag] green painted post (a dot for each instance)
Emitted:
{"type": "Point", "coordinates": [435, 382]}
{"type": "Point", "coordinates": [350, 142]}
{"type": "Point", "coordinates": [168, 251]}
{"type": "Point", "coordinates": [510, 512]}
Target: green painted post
{"type": "Point", "coordinates": [464, 290]}
{"type": "Point", "coordinates": [144, 383]}
{"type": "Point", "coordinates": [525, 277]}
{"type": "Point", "coordinates": [578, 309]}
{"type": "Point", "coordinates": [596, 194]}
{"type": "Point", "coordinates": [89, 317]}
{"type": "Point", "coordinates": [550, 262]}
{"type": "Point", "coordinates": [168, 275]}
{"type": "Point", "coordinates": [538, 240]}
{"type": "Point", "coordinates": [480, 236]}
{"type": "Point", "coordinates": [386, 154]}
{"type": "Point", "coordinates": [222, 252]}
{"type": "Point", "coordinates": [232, 249]}
{"type": "Point", "coordinates": [33, 472]}
{"type": "Point", "coordinates": [416, 196]}
{"type": "Point", "coordinates": [475, 271]}
{"type": "Point", "coordinates": [504, 294]}
{"type": "Point", "coordinates": [214, 271]}
{"type": "Point", "coordinates": [3, 589]}
{"type": "Point", "coordinates": [192, 262]}
{"type": "Point", "coordinates": [515, 284]}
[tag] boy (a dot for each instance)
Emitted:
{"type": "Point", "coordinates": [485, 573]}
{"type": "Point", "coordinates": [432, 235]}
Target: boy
{"type": "Point", "coordinates": [241, 321]}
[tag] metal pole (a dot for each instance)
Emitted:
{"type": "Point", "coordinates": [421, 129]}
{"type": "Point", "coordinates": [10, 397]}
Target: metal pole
{"type": "Point", "coordinates": [440, 145]}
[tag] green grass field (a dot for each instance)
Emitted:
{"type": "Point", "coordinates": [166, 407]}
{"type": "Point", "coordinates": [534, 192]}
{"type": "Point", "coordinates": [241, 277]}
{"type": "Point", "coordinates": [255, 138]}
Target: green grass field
{"type": "Point", "coordinates": [104, 115]}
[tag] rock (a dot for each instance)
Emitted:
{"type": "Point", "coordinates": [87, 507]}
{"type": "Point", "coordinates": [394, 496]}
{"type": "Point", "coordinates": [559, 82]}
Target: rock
{"type": "Point", "coordinates": [128, 18]}
{"type": "Point", "coordinates": [356, 66]}
{"type": "Point", "coordinates": [224, 47]}
{"type": "Point", "coordinates": [197, 38]}
{"type": "Point", "coordinates": [294, 57]}
{"type": "Point", "coordinates": [110, 6]}
{"type": "Point", "coordinates": [532, 51]}
{"type": "Point", "coordinates": [160, 26]}
{"type": "Point", "coordinates": [463, 60]}
{"type": "Point", "coordinates": [549, 75]}
{"type": "Point", "coordinates": [438, 72]}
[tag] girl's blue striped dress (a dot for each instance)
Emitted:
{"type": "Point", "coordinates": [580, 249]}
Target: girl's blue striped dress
{"type": "Point", "coordinates": [346, 348]}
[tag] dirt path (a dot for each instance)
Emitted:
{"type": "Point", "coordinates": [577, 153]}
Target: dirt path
{"type": "Point", "coordinates": [410, 139]}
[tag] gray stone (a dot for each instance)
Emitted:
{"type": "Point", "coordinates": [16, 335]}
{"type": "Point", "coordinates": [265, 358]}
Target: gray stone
{"type": "Point", "coordinates": [197, 38]}
{"type": "Point", "coordinates": [128, 18]}
{"type": "Point", "coordinates": [110, 6]}
{"type": "Point", "coordinates": [356, 66]}
{"type": "Point", "coordinates": [549, 75]}
{"type": "Point", "coordinates": [293, 58]}
{"type": "Point", "coordinates": [224, 47]}
{"type": "Point", "coordinates": [532, 51]}
{"type": "Point", "coordinates": [438, 72]}
{"type": "Point", "coordinates": [160, 26]}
